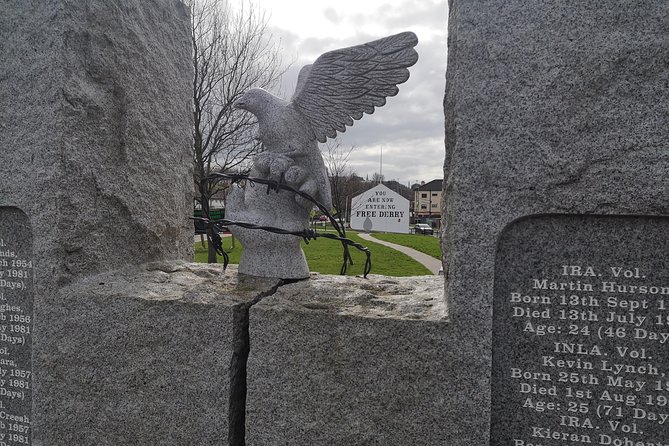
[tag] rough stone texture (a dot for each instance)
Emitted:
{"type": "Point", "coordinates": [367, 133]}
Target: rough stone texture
{"type": "Point", "coordinates": [348, 361]}
{"type": "Point", "coordinates": [550, 108]}
{"type": "Point", "coordinates": [16, 317]}
{"type": "Point", "coordinates": [94, 131]}
{"type": "Point", "coordinates": [95, 109]}
{"type": "Point", "coordinates": [626, 328]}
{"type": "Point", "coordinates": [140, 356]}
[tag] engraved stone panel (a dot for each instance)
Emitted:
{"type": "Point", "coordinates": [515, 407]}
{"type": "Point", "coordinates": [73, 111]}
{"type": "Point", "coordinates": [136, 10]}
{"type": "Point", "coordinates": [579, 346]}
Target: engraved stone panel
{"type": "Point", "coordinates": [581, 332]}
{"type": "Point", "coordinates": [16, 313]}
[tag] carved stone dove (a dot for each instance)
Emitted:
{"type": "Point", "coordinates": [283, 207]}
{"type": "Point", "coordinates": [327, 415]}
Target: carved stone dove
{"type": "Point", "coordinates": [338, 88]}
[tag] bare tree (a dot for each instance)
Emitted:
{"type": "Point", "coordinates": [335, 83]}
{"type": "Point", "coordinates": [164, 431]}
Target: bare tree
{"type": "Point", "coordinates": [232, 52]}
{"type": "Point", "coordinates": [377, 178]}
{"type": "Point", "coordinates": [343, 181]}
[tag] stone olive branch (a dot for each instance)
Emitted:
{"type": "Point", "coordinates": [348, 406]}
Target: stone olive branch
{"type": "Point", "coordinates": [306, 234]}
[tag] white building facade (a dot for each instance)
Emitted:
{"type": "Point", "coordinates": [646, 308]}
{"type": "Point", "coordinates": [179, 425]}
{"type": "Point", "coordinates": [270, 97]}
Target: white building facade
{"type": "Point", "coordinates": [380, 209]}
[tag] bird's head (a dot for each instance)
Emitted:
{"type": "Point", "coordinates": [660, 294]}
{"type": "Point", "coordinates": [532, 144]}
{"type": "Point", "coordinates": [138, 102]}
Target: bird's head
{"type": "Point", "coordinates": [255, 101]}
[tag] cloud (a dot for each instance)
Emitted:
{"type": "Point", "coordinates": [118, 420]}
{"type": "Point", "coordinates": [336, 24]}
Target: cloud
{"type": "Point", "coordinates": [410, 127]}
{"type": "Point", "coordinates": [331, 15]}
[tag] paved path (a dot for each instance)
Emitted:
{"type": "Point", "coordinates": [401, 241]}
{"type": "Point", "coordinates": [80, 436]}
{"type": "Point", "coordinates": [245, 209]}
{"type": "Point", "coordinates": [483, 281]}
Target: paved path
{"type": "Point", "coordinates": [429, 262]}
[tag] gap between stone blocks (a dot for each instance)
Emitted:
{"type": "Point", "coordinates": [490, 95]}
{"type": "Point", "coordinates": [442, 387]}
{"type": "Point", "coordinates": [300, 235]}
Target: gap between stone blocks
{"type": "Point", "coordinates": [407, 299]}
{"type": "Point", "coordinates": [240, 354]}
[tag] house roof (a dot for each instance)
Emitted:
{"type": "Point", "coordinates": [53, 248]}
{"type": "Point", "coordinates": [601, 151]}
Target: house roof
{"type": "Point", "coordinates": [434, 185]}
{"type": "Point", "coordinates": [380, 186]}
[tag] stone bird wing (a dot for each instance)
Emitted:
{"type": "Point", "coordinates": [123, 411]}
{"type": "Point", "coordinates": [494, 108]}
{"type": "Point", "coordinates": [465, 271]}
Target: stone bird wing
{"type": "Point", "coordinates": [345, 83]}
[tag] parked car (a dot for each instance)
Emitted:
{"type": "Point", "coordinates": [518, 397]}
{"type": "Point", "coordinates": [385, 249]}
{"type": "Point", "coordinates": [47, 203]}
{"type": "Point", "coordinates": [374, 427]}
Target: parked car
{"type": "Point", "coordinates": [423, 228]}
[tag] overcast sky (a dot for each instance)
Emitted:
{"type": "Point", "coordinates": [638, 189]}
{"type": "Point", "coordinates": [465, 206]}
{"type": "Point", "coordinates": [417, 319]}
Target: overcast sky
{"type": "Point", "coordinates": [410, 127]}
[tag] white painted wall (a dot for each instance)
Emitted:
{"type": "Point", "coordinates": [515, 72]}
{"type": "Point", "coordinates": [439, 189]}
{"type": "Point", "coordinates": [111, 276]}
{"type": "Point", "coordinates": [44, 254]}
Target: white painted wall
{"type": "Point", "coordinates": [380, 209]}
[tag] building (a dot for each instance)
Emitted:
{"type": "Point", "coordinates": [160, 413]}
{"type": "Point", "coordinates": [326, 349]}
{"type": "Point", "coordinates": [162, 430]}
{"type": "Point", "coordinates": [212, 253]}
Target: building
{"type": "Point", "coordinates": [427, 202]}
{"type": "Point", "coordinates": [380, 209]}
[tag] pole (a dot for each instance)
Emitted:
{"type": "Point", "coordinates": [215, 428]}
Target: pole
{"type": "Point", "coordinates": [381, 167]}
{"type": "Point", "coordinates": [346, 218]}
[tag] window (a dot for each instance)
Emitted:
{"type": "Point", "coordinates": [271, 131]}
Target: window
{"type": "Point", "coordinates": [423, 195]}
{"type": "Point", "coordinates": [434, 194]}
{"type": "Point", "coordinates": [423, 206]}
{"type": "Point", "coordinates": [434, 205]}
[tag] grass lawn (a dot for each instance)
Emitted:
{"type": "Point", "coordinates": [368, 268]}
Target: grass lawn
{"type": "Point", "coordinates": [325, 256]}
{"type": "Point", "coordinates": [201, 251]}
{"type": "Point", "coordinates": [423, 243]}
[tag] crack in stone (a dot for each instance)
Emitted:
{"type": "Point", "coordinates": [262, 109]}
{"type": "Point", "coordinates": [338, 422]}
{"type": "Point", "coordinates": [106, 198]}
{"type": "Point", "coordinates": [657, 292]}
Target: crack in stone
{"type": "Point", "coordinates": [237, 371]}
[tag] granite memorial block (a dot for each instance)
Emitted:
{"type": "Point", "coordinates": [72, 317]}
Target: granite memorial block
{"type": "Point", "coordinates": [95, 175]}
{"type": "Point", "coordinates": [16, 327]}
{"type": "Point", "coordinates": [555, 131]}
{"type": "Point", "coordinates": [350, 361]}
{"type": "Point", "coordinates": [94, 106]}
{"type": "Point", "coordinates": [581, 331]}
{"type": "Point", "coordinates": [552, 326]}
{"type": "Point", "coordinates": [145, 355]}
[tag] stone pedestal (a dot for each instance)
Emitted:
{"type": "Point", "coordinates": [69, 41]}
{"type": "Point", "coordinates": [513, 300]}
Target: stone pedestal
{"type": "Point", "coordinates": [145, 355]}
{"type": "Point", "coordinates": [341, 360]}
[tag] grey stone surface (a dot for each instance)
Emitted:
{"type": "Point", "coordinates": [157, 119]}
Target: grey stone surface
{"type": "Point", "coordinates": [584, 298]}
{"type": "Point", "coordinates": [140, 356]}
{"type": "Point", "coordinates": [348, 361]}
{"type": "Point", "coordinates": [94, 148]}
{"type": "Point", "coordinates": [95, 109]}
{"type": "Point", "coordinates": [337, 88]}
{"type": "Point", "coordinates": [16, 324]}
{"type": "Point", "coordinates": [550, 109]}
